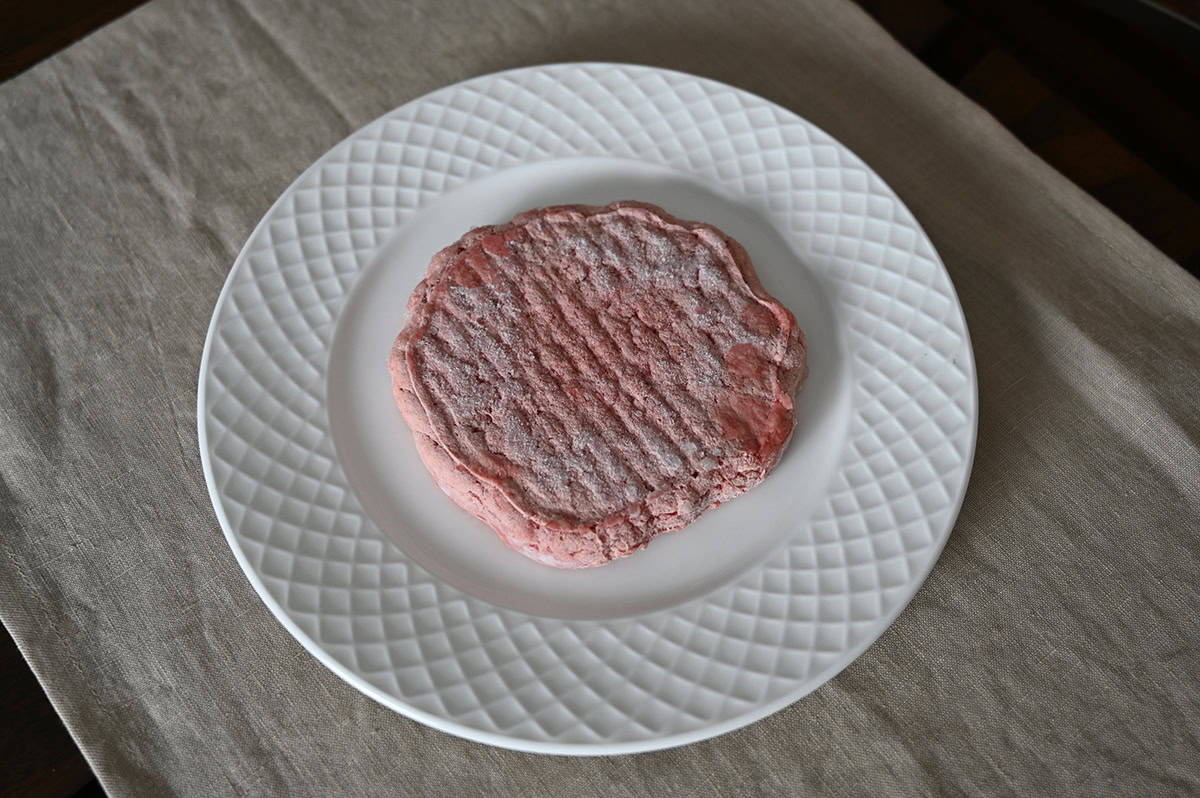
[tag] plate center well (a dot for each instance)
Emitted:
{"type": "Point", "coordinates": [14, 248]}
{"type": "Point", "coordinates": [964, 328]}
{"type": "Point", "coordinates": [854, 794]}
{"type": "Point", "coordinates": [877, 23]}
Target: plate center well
{"type": "Point", "coordinates": [381, 463]}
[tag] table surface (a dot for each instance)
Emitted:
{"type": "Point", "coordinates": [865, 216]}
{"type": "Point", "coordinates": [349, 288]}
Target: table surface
{"type": "Point", "coordinates": [1051, 648]}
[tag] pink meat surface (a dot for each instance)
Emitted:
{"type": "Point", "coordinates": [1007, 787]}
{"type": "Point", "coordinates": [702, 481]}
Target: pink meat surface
{"type": "Point", "coordinates": [585, 378]}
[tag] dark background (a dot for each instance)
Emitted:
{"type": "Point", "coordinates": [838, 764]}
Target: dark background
{"type": "Point", "coordinates": [1106, 91]}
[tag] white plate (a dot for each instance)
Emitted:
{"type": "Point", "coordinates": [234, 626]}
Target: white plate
{"type": "Point", "coordinates": [338, 526]}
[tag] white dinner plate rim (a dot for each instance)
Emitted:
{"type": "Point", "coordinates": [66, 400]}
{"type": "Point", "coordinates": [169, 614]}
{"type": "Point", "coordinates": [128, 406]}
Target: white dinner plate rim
{"type": "Point", "coordinates": [499, 739]}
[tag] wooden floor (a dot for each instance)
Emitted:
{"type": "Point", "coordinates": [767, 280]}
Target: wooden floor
{"type": "Point", "coordinates": [39, 758]}
{"type": "Point", "coordinates": [1104, 90]}
{"type": "Point", "coordinates": [1109, 98]}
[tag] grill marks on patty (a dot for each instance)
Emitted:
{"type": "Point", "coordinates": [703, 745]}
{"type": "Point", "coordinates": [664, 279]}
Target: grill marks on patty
{"type": "Point", "coordinates": [607, 372]}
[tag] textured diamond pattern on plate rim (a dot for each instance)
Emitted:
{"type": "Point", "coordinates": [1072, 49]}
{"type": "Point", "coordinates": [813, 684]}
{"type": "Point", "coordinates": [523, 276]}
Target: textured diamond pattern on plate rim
{"type": "Point", "coordinates": [462, 664]}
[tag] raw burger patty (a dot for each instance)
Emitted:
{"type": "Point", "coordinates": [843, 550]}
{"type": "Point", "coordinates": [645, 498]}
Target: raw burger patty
{"type": "Point", "coordinates": [585, 378]}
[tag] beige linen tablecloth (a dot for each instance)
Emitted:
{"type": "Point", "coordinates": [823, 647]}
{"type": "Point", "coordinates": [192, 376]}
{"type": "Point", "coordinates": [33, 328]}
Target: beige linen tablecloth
{"type": "Point", "coordinates": [1054, 650]}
